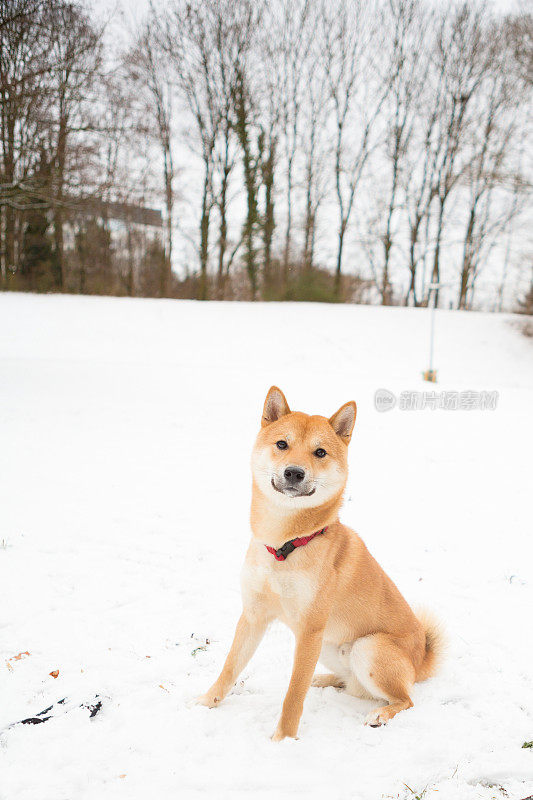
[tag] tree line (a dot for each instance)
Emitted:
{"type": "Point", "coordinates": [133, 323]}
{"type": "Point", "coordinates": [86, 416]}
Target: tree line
{"type": "Point", "coordinates": [360, 150]}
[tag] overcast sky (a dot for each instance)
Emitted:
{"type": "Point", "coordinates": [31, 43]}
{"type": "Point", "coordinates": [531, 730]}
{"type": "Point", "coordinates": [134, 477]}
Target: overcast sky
{"type": "Point", "coordinates": [133, 10]}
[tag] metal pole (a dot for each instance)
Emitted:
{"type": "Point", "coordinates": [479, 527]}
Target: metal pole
{"type": "Point", "coordinates": [431, 374]}
{"type": "Point", "coordinates": [432, 332]}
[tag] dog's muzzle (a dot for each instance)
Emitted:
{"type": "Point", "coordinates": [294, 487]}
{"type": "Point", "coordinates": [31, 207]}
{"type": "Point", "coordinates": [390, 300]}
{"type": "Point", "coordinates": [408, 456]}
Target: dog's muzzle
{"type": "Point", "coordinates": [293, 483]}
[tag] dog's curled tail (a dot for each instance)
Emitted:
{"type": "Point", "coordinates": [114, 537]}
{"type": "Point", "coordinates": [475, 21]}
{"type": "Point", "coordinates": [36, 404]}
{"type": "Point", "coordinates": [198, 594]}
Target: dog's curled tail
{"type": "Point", "coordinates": [435, 644]}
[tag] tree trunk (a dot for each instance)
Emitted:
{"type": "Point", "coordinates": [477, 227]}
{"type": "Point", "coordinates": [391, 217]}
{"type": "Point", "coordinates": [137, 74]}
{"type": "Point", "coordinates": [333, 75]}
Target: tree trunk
{"type": "Point", "coordinates": [250, 182]}
{"type": "Point", "coordinates": [251, 219]}
{"type": "Point", "coordinates": [309, 242]}
{"type": "Point", "coordinates": [10, 240]}
{"type": "Point", "coordinates": [204, 236]}
{"type": "Point", "coordinates": [411, 292]}
{"type": "Point", "coordinates": [169, 201]}
{"type": "Point", "coordinates": [338, 270]}
{"type": "Point", "coordinates": [269, 221]}
{"type": "Point", "coordinates": [59, 266]}
{"type": "Point", "coordinates": [467, 260]}
{"type": "Point", "coordinates": [131, 265]}
{"type": "Point", "coordinates": [386, 289]}
{"type": "Point", "coordinates": [223, 238]}
{"type": "Point", "coordinates": [288, 228]}
{"type": "Point", "coordinates": [223, 231]}
{"type": "Point", "coordinates": [435, 275]}
{"type": "Point", "coordinates": [3, 270]}
{"type": "Point", "coordinates": [309, 223]}
{"type": "Point", "coordinates": [9, 176]}
{"type": "Point", "coordinates": [59, 248]}
{"type": "Point", "coordinates": [385, 283]}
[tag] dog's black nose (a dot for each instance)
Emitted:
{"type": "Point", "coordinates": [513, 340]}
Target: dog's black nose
{"type": "Point", "coordinates": [294, 474]}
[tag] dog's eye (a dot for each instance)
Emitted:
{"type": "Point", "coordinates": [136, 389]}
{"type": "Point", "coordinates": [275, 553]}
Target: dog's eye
{"type": "Point", "coordinates": [281, 445]}
{"type": "Point", "coordinates": [320, 452]}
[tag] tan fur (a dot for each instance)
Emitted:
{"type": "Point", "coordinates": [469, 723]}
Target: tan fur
{"type": "Point", "coordinates": [331, 593]}
{"type": "Point", "coordinates": [435, 644]}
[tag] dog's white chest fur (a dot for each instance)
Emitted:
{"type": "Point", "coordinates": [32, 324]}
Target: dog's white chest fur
{"type": "Point", "coordinates": [294, 589]}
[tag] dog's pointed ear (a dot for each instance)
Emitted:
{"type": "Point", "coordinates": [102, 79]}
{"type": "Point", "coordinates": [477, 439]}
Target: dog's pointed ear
{"type": "Point", "coordinates": [343, 421]}
{"type": "Point", "coordinates": [275, 406]}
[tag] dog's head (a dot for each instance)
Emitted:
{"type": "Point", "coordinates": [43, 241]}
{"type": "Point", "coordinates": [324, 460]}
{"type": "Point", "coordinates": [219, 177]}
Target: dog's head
{"type": "Point", "coordinates": [300, 460]}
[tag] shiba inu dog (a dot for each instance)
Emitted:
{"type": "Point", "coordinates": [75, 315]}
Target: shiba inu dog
{"type": "Point", "coordinates": [306, 568]}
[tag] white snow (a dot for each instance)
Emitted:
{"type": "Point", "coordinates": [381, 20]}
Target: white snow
{"type": "Point", "coordinates": [125, 433]}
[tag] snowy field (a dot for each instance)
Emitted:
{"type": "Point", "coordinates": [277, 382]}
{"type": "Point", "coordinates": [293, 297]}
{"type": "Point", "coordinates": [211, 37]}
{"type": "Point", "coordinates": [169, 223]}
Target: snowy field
{"type": "Point", "coordinates": [125, 433]}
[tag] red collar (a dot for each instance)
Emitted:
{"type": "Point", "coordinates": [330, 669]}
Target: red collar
{"type": "Point", "coordinates": [285, 550]}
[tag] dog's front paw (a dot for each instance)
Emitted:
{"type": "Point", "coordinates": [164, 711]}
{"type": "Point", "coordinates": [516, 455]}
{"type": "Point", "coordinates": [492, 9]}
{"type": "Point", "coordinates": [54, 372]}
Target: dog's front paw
{"type": "Point", "coordinates": [209, 699]}
{"type": "Point", "coordinates": [377, 718]}
{"type": "Point", "coordinates": [280, 734]}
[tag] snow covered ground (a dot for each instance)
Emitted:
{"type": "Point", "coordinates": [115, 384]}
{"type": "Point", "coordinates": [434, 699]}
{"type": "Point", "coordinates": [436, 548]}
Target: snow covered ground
{"type": "Point", "coordinates": [125, 433]}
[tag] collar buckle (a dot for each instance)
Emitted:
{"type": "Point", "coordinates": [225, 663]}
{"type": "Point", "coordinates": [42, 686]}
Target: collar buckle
{"type": "Point", "coordinates": [285, 550]}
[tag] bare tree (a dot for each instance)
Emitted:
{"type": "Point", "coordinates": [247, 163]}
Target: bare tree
{"type": "Point", "coordinates": [314, 141]}
{"type": "Point", "coordinates": [25, 67]}
{"type": "Point", "coordinates": [422, 164]}
{"type": "Point", "coordinates": [76, 54]}
{"type": "Point", "coordinates": [407, 24]}
{"type": "Point", "coordinates": [147, 67]}
{"type": "Point", "coordinates": [268, 100]}
{"type": "Point", "coordinates": [234, 25]}
{"type": "Point", "coordinates": [518, 32]}
{"type": "Point", "coordinates": [251, 171]}
{"type": "Point", "coordinates": [494, 192]}
{"type": "Point", "coordinates": [189, 39]}
{"type": "Point", "coordinates": [291, 22]}
{"type": "Point", "coordinates": [350, 49]}
{"type": "Point", "coordinates": [462, 57]}
{"type": "Point", "coordinates": [225, 149]}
